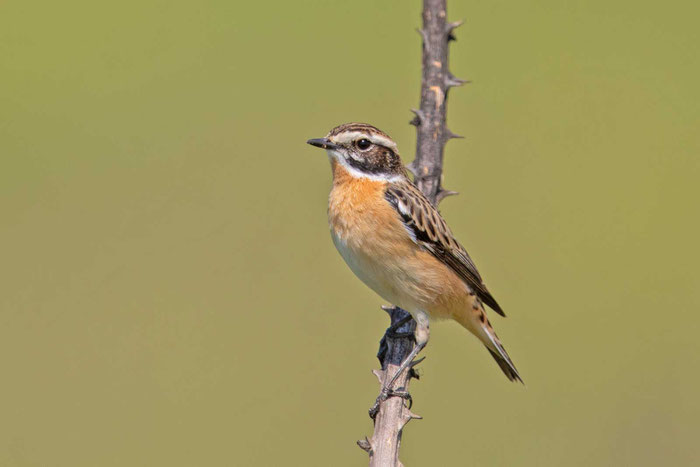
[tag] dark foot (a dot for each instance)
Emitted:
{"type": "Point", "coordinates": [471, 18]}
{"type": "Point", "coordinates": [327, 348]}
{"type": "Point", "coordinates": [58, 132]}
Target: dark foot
{"type": "Point", "coordinates": [386, 394]}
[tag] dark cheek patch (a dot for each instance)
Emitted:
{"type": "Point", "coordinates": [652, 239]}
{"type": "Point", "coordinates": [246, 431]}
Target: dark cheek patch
{"type": "Point", "coordinates": [366, 165]}
{"type": "Point", "coordinates": [378, 161]}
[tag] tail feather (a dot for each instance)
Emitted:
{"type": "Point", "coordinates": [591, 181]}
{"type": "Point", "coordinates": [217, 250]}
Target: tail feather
{"type": "Point", "coordinates": [500, 355]}
{"type": "Point", "coordinates": [506, 365]}
{"type": "Point", "coordinates": [476, 322]}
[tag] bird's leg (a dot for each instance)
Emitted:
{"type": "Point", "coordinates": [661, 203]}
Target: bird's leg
{"type": "Point", "coordinates": [422, 335]}
{"type": "Point", "coordinates": [404, 365]}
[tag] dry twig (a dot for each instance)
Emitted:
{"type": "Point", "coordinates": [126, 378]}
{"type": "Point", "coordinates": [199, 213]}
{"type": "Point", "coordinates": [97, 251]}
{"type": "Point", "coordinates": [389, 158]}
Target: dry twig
{"type": "Point", "coordinates": [391, 414]}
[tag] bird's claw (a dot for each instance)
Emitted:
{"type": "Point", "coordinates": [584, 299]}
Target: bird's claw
{"type": "Point", "coordinates": [403, 395]}
{"type": "Point", "coordinates": [385, 394]}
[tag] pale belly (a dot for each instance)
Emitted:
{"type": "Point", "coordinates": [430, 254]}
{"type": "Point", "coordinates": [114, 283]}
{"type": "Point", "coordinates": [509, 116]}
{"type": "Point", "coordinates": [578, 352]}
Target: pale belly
{"type": "Point", "coordinates": [396, 280]}
{"type": "Point", "coordinates": [373, 273]}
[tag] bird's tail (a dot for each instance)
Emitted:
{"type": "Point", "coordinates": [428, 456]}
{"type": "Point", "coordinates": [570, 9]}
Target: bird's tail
{"type": "Point", "coordinates": [506, 364]}
{"type": "Point", "coordinates": [478, 324]}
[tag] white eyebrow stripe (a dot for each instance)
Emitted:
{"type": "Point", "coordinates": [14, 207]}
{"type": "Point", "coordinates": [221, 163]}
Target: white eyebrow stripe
{"type": "Point", "coordinates": [349, 136]}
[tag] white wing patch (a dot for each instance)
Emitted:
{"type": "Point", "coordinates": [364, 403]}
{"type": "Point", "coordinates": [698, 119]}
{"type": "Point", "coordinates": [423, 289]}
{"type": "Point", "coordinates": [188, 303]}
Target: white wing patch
{"type": "Point", "coordinates": [406, 212]}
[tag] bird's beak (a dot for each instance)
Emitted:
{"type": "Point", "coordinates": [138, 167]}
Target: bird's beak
{"type": "Point", "coordinates": [323, 143]}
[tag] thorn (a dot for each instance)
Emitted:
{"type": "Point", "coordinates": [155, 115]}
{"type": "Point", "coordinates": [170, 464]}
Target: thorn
{"type": "Point", "coordinates": [379, 374]}
{"type": "Point", "coordinates": [365, 445]}
{"type": "Point", "coordinates": [414, 416]}
{"type": "Point", "coordinates": [449, 27]}
{"type": "Point", "coordinates": [419, 118]}
{"type": "Point", "coordinates": [449, 135]}
{"type": "Point", "coordinates": [412, 168]}
{"type": "Point", "coordinates": [423, 34]}
{"type": "Point", "coordinates": [451, 81]}
{"type": "Point", "coordinates": [442, 194]}
{"type": "Point", "coordinates": [388, 308]}
{"type": "Point", "coordinates": [407, 416]}
{"type": "Point", "coordinates": [414, 374]}
{"type": "Point", "coordinates": [416, 362]}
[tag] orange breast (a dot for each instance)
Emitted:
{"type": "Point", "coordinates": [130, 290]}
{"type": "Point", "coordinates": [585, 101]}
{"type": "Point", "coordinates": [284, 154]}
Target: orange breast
{"type": "Point", "coordinates": [375, 244]}
{"type": "Point", "coordinates": [356, 206]}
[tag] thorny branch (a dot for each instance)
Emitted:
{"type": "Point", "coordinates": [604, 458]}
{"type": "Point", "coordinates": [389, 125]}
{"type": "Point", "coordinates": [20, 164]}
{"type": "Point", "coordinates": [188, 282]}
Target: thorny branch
{"type": "Point", "coordinates": [393, 413]}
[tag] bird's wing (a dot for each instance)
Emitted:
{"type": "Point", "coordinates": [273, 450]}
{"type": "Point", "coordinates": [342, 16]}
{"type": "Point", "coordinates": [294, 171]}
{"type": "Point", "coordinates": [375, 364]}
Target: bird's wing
{"type": "Point", "coordinates": [430, 231]}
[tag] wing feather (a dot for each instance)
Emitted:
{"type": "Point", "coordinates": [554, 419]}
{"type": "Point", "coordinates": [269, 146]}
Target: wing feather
{"type": "Point", "coordinates": [429, 230]}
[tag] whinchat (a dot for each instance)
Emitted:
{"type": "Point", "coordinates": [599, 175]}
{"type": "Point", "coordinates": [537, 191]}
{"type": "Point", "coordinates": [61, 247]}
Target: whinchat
{"type": "Point", "coordinates": [398, 244]}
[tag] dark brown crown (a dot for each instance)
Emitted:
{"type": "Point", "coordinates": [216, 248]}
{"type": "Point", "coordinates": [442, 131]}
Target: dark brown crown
{"type": "Point", "coordinates": [355, 126]}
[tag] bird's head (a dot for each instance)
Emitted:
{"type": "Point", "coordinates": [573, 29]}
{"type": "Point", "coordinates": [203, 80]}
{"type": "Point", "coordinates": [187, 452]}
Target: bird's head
{"type": "Point", "coordinates": [363, 150]}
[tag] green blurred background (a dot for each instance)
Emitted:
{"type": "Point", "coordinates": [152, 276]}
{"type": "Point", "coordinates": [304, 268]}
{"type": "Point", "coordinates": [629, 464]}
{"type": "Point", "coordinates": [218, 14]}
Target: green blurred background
{"type": "Point", "coordinates": [169, 294]}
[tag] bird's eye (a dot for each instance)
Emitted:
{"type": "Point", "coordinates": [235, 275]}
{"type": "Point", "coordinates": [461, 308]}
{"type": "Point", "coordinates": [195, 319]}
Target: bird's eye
{"type": "Point", "coordinates": [363, 144]}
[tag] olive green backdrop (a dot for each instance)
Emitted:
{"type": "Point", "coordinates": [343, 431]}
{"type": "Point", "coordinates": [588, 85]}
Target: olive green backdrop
{"type": "Point", "coordinates": [169, 294]}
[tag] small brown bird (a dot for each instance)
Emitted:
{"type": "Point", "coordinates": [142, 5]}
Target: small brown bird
{"type": "Point", "coordinates": [397, 243]}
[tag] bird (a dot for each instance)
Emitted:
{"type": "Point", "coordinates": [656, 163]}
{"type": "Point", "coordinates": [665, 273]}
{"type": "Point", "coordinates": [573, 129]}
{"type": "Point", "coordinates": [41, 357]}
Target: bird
{"type": "Point", "coordinates": [397, 243]}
